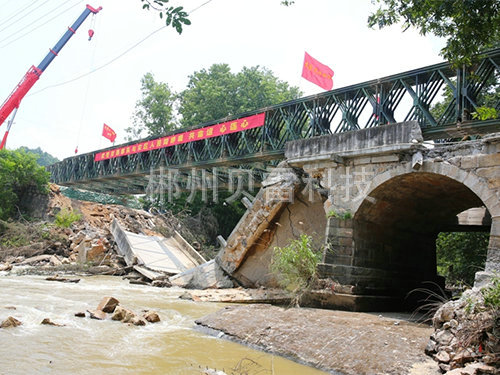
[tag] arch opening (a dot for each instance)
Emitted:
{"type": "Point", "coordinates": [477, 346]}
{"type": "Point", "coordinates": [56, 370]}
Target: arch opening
{"type": "Point", "coordinates": [396, 226]}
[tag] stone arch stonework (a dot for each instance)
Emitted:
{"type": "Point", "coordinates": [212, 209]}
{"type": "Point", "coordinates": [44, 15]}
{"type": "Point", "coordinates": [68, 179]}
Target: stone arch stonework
{"type": "Point", "coordinates": [377, 253]}
{"type": "Point", "coordinates": [479, 186]}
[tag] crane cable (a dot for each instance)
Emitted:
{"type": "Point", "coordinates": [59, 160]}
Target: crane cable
{"type": "Point", "coordinates": [85, 97]}
{"type": "Point", "coordinates": [11, 16]}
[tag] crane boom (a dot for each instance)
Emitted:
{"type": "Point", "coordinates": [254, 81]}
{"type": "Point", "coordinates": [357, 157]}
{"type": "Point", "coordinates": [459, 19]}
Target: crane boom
{"type": "Point", "coordinates": [14, 99]}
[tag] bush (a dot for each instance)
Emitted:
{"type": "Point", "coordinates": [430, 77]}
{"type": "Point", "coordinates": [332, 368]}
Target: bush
{"type": "Point", "coordinates": [491, 295]}
{"type": "Point", "coordinates": [20, 175]}
{"type": "Point", "coordinates": [65, 218]}
{"type": "Point", "coordinates": [295, 265]}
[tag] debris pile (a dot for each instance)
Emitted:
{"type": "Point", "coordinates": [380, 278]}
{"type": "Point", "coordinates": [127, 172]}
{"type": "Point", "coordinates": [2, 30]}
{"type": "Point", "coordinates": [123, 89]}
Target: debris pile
{"type": "Point", "coordinates": [466, 339]}
{"type": "Point", "coordinates": [86, 245]}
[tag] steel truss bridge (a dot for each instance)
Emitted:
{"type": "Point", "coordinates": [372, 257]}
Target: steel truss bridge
{"type": "Point", "coordinates": [402, 97]}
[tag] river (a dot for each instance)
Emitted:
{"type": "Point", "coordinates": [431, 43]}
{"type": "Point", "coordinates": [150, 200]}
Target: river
{"type": "Point", "coordinates": [88, 346]}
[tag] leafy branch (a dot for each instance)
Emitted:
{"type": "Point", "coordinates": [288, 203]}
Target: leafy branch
{"type": "Point", "coordinates": [469, 26]}
{"type": "Point", "coordinates": [175, 16]}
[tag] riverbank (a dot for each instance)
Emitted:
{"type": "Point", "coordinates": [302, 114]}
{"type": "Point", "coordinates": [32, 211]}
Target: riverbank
{"type": "Point", "coordinates": [334, 341]}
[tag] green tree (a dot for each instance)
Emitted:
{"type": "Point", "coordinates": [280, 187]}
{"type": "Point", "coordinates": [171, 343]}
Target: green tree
{"type": "Point", "coordinates": [92, 196]}
{"type": "Point", "coordinates": [154, 112]}
{"type": "Point", "coordinates": [20, 175]}
{"type": "Point", "coordinates": [460, 255]}
{"type": "Point", "coordinates": [209, 95]}
{"type": "Point", "coordinates": [217, 92]}
{"type": "Point", "coordinates": [469, 26]}
{"type": "Point", "coordinates": [43, 158]}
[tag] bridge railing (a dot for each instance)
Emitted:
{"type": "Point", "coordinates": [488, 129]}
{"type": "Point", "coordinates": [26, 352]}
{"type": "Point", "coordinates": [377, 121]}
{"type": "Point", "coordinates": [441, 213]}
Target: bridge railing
{"type": "Point", "coordinates": [438, 96]}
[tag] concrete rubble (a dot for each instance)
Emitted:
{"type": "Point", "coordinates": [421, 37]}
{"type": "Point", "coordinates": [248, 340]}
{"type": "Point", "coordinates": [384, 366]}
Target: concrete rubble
{"type": "Point", "coordinates": [90, 245]}
{"type": "Point", "coordinates": [206, 276]}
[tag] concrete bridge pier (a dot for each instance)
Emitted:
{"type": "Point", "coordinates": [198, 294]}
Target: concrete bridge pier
{"type": "Point", "coordinates": [385, 196]}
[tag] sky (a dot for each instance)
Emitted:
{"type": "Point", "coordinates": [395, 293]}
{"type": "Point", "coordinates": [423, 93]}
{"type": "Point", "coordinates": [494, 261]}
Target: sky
{"type": "Point", "coordinates": [63, 111]}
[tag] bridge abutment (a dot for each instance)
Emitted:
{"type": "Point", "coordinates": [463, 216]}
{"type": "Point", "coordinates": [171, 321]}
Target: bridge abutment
{"type": "Point", "coordinates": [387, 194]}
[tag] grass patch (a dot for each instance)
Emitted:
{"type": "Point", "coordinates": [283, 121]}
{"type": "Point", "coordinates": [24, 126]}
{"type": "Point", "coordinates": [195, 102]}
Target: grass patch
{"type": "Point", "coordinates": [65, 218]}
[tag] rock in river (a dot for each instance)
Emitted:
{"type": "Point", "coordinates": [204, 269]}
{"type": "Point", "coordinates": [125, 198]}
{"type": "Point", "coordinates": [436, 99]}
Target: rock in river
{"type": "Point", "coordinates": [10, 322]}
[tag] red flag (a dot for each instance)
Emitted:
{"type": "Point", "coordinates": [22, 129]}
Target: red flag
{"type": "Point", "coordinates": [317, 73]}
{"type": "Point", "coordinates": [109, 133]}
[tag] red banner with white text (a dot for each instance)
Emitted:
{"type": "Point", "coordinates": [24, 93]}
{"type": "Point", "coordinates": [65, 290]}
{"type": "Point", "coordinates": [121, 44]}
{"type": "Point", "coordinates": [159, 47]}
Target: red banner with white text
{"type": "Point", "coordinates": [229, 127]}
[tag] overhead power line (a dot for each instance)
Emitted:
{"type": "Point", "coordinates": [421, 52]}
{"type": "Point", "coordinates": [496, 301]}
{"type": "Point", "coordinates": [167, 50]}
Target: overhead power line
{"type": "Point", "coordinates": [24, 15]}
{"type": "Point", "coordinates": [9, 17]}
{"type": "Point", "coordinates": [36, 27]}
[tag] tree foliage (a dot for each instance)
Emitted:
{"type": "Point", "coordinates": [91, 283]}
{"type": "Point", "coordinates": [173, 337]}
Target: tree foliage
{"type": "Point", "coordinates": [217, 92]}
{"type": "Point", "coordinates": [19, 175]}
{"type": "Point", "coordinates": [154, 112]}
{"type": "Point", "coordinates": [469, 26]}
{"type": "Point", "coordinates": [43, 158]}
{"type": "Point", "coordinates": [175, 15]}
{"type": "Point", "coordinates": [92, 196]}
{"type": "Point", "coordinates": [211, 94]}
{"type": "Point", "coordinates": [460, 255]}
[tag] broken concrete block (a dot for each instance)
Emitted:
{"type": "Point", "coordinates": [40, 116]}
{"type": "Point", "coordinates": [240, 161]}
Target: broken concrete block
{"type": "Point", "coordinates": [108, 304]}
{"type": "Point", "coordinates": [97, 314]}
{"type": "Point", "coordinates": [96, 252]}
{"type": "Point", "coordinates": [207, 275]}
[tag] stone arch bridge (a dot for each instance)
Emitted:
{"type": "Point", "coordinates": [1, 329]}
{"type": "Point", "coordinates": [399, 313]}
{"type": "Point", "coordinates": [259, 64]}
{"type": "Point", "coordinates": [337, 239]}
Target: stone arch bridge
{"type": "Point", "coordinates": [375, 190]}
{"type": "Point", "coordinates": [378, 198]}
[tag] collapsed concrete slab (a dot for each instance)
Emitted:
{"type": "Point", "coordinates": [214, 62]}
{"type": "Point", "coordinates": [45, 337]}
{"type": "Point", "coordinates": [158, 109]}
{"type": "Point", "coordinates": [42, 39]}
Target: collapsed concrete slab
{"type": "Point", "coordinates": [171, 255]}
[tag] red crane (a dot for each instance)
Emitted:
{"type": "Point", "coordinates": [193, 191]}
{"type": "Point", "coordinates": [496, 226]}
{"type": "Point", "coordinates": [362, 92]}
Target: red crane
{"type": "Point", "coordinates": [11, 104]}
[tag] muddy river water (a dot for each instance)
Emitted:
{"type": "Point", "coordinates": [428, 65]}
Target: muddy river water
{"type": "Point", "coordinates": [88, 346]}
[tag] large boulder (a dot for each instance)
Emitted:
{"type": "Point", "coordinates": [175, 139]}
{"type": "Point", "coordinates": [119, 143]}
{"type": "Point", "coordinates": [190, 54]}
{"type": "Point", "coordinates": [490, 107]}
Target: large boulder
{"type": "Point", "coordinates": [151, 316]}
{"type": "Point", "coordinates": [122, 314]}
{"type": "Point", "coordinates": [10, 322]}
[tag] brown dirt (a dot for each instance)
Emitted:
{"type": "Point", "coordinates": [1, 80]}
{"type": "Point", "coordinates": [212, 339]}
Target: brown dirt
{"type": "Point", "coordinates": [335, 341]}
